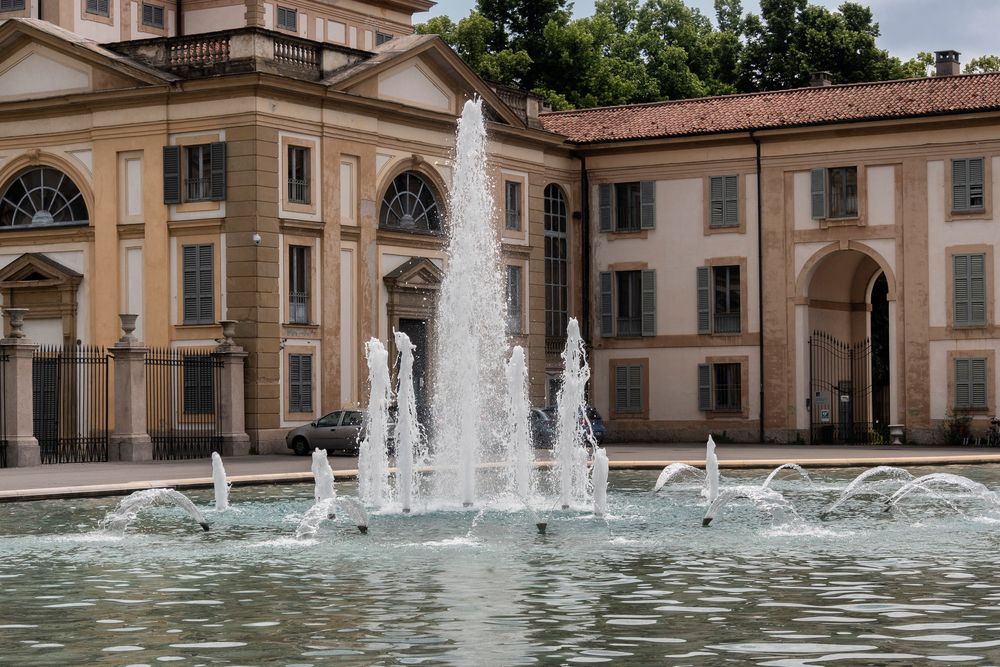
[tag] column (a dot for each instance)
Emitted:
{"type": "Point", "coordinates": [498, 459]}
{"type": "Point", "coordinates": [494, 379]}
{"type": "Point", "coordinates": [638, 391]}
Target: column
{"type": "Point", "coordinates": [130, 439]}
{"type": "Point", "coordinates": [16, 352]}
{"type": "Point", "coordinates": [232, 421]}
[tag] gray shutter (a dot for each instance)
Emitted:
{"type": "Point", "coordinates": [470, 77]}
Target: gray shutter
{"type": "Point", "coordinates": [306, 383]}
{"type": "Point", "coordinates": [218, 149]}
{"type": "Point", "coordinates": [960, 185]}
{"type": "Point", "coordinates": [607, 322]}
{"type": "Point", "coordinates": [977, 382]}
{"type": "Point", "coordinates": [976, 184]}
{"type": "Point", "coordinates": [621, 389]}
{"type": "Point", "coordinates": [649, 302]}
{"type": "Point", "coordinates": [635, 388]}
{"type": "Point", "coordinates": [647, 195]}
{"type": "Point", "coordinates": [704, 300]}
{"type": "Point", "coordinates": [963, 390]}
{"type": "Point", "coordinates": [704, 387]}
{"type": "Point", "coordinates": [294, 384]}
{"type": "Point", "coordinates": [604, 203]}
{"type": "Point", "coordinates": [960, 289]}
{"type": "Point", "coordinates": [717, 190]}
{"type": "Point", "coordinates": [206, 284]}
{"type": "Point", "coordinates": [171, 174]}
{"type": "Point", "coordinates": [731, 216]}
{"type": "Point", "coordinates": [190, 283]}
{"type": "Point", "coordinates": [977, 290]}
{"type": "Point", "coordinates": [817, 188]}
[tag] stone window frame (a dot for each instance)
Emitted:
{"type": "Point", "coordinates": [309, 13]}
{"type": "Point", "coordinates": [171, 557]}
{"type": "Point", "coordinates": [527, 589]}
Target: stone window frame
{"type": "Point", "coordinates": [990, 356]}
{"type": "Point", "coordinates": [744, 411]}
{"type": "Point", "coordinates": [98, 18]}
{"type": "Point", "coordinates": [980, 248]}
{"type": "Point", "coordinates": [287, 241]}
{"type": "Point", "coordinates": [986, 212]}
{"type": "Point", "coordinates": [741, 214]}
{"type": "Point", "coordinates": [314, 169]}
{"type": "Point", "coordinates": [197, 237]}
{"type": "Point", "coordinates": [711, 263]}
{"type": "Point", "coordinates": [287, 416]}
{"type": "Point", "coordinates": [859, 220]}
{"type": "Point", "coordinates": [184, 142]}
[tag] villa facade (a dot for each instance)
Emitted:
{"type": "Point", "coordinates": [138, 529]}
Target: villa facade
{"type": "Point", "coordinates": [810, 265]}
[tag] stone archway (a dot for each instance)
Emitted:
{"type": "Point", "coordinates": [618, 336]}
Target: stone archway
{"type": "Point", "coordinates": [47, 289]}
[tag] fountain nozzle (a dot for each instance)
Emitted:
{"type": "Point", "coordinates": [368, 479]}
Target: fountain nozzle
{"type": "Point", "coordinates": [204, 525]}
{"type": "Point", "coordinates": [705, 522]}
{"type": "Point", "coordinates": [541, 526]}
{"type": "Point", "coordinates": [363, 529]}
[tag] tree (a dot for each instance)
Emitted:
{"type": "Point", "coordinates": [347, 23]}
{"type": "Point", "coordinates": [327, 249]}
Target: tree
{"type": "Point", "coordinates": [983, 64]}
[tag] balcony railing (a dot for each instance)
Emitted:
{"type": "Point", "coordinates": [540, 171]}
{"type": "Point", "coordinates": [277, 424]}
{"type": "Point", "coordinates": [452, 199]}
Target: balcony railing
{"type": "Point", "coordinates": [298, 307]}
{"type": "Point", "coordinates": [727, 323]}
{"type": "Point", "coordinates": [198, 189]}
{"type": "Point", "coordinates": [298, 191]}
{"type": "Point", "coordinates": [198, 50]}
{"type": "Point", "coordinates": [629, 326]}
{"type": "Point", "coordinates": [296, 53]}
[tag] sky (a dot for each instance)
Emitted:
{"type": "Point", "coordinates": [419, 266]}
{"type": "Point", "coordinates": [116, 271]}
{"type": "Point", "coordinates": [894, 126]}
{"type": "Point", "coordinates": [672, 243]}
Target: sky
{"type": "Point", "coordinates": [908, 26]}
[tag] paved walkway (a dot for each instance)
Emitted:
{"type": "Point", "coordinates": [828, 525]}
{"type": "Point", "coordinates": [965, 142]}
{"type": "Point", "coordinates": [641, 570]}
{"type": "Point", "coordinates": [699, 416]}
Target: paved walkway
{"type": "Point", "coordinates": [99, 479]}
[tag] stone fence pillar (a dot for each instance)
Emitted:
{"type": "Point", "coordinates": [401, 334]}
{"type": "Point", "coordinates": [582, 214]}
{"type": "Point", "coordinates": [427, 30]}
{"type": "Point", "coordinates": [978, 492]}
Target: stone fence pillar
{"type": "Point", "coordinates": [18, 405]}
{"type": "Point", "coordinates": [129, 440]}
{"type": "Point", "coordinates": [232, 406]}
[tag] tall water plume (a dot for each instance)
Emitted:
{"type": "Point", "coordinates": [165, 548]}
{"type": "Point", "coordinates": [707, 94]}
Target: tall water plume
{"type": "Point", "coordinates": [468, 393]}
{"type": "Point", "coordinates": [220, 483]}
{"type": "Point", "coordinates": [373, 456]}
{"type": "Point", "coordinates": [519, 436]}
{"type": "Point", "coordinates": [711, 490]}
{"type": "Point", "coordinates": [407, 428]}
{"type": "Point", "coordinates": [570, 464]}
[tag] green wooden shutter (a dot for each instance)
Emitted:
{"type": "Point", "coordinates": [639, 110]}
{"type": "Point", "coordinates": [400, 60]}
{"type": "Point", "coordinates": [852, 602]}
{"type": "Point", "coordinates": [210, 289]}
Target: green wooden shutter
{"type": "Point", "coordinates": [731, 215]}
{"type": "Point", "coordinates": [704, 282]}
{"type": "Point", "coordinates": [294, 384]}
{"type": "Point", "coordinates": [206, 284]}
{"type": "Point", "coordinates": [704, 387]}
{"type": "Point", "coordinates": [977, 290]}
{"type": "Point", "coordinates": [171, 174]}
{"type": "Point", "coordinates": [960, 289]}
{"type": "Point", "coordinates": [963, 390]}
{"type": "Point", "coordinates": [634, 388]}
{"type": "Point", "coordinates": [817, 180]}
{"type": "Point", "coordinates": [959, 185]}
{"type": "Point", "coordinates": [218, 152]}
{"type": "Point", "coordinates": [189, 283]}
{"type": "Point", "coordinates": [647, 197]}
{"type": "Point", "coordinates": [621, 389]}
{"type": "Point", "coordinates": [649, 302]}
{"type": "Point", "coordinates": [604, 204]}
{"type": "Point", "coordinates": [607, 321]}
{"type": "Point", "coordinates": [976, 197]}
{"type": "Point", "coordinates": [717, 188]}
{"type": "Point", "coordinates": [977, 382]}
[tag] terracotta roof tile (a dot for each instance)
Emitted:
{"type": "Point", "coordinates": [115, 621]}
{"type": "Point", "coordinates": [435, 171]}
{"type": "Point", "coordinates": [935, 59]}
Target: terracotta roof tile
{"type": "Point", "coordinates": [785, 108]}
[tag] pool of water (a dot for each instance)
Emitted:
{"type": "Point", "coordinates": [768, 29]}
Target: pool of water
{"type": "Point", "coordinates": [645, 585]}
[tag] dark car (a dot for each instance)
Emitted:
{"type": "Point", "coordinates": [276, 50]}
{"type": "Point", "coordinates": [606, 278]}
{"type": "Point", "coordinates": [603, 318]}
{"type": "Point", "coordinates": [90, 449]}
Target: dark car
{"type": "Point", "coordinates": [597, 426]}
{"type": "Point", "coordinates": [543, 429]}
{"type": "Point", "coordinates": [336, 432]}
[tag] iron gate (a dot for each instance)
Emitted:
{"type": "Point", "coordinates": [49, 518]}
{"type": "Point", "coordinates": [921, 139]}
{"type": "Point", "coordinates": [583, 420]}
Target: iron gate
{"type": "Point", "coordinates": [3, 410]}
{"type": "Point", "coordinates": [844, 408]}
{"type": "Point", "coordinates": [70, 399]}
{"type": "Point", "coordinates": [183, 392]}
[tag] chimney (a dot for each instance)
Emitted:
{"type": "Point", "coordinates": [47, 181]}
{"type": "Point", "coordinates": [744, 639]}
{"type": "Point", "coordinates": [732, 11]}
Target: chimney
{"type": "Point", "coordinates": [820, 79]}
{"type": "Point", "coordinates": [946, 63]}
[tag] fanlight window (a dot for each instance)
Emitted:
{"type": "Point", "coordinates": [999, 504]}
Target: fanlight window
{"type": "Point", "coordinates": [41, 197]}
{"type": "Point", "coordinates": [411, 204]}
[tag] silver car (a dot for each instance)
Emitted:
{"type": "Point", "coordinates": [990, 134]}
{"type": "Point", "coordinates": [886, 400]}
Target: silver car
{"type": "Point", "coordinates": [336, 432]}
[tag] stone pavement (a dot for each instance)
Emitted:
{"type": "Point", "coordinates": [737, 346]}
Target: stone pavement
{"type": "Point", "coordinates": [98, 479]}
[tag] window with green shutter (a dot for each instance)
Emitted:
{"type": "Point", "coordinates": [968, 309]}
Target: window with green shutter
{"type": "Point", "coordinates": [198, 284]}
{"type": "Point", "coordinates": [628, 388]}
{"type": "Point", "coordinates": [288, 19]}
{"type": "Point", "coordinates": [512, 204]}
{"type": "Point", "coordinates": [514, 300]}
{"type": "Point", "coordinates": [626, 207]}
{"type": "Point", "coordinates": [98, 7]}
{"type": "Point", "coordinates": [719, 299]}
{"type": "Point", "coordinates": [607, 316]}
{"type": "Point", "coordinates": [199, 388]}
{"type": "Point", "coordinates": [724, 193]}
{"type": "Point", "coordinates": [720, 387]}
{"type": "Point", "coordinates": [969, 289]}
{"type": "Point", "coordinates": [152, 15]}
{"type": "Point", "coordinates": [11, 5]}
{"type": "Point", "coordinates": [834, 192]}
{"type": "Point", "coordinates": [970, 383]}
{"type": "Point", "coordinates": [967, 187]}
{"type": "Point", "coordinates": [300, 383]}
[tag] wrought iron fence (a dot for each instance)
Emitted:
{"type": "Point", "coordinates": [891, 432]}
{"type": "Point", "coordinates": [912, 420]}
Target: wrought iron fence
{"type": "Point", "coordinates": [183, 393]}
{"type": "Point", "coordinates": [842, 404]}
{"type": "Point", "coordinates": [70, 399]}
{"type": "Point", "coordinates": [3, 410]}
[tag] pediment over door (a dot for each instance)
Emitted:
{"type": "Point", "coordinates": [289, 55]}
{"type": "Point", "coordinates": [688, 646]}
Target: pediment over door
{"type": "Point", "coordinates": [45, 287]}
{"type": "Point", "coordinates": [416, 273]}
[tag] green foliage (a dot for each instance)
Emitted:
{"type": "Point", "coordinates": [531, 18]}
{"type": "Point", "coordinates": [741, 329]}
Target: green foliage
{"type": "Point", "coordinates": [983, 64]}
{"type": "Point", "coordinates": [956, 428]}
{"type": "Point", "coordinates": [634, 51]}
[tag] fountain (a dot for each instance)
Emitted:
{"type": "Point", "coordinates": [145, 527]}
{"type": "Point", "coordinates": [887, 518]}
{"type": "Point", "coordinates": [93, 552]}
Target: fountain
{"type": "Point", "coordinates": [765, 499]}
{"type": "Point", "coordinates": [942, 479]}
{"type": "Point", "coordinates": [570, 454]}
{"type": "Point", "coordinates": [130, 506]}
{"type": "Point", "coordinates": [676, 470]}
{"type": "Point", "coordinates": [373, 454]}
{"type": "Point", "coordinates": [220, 483]}
{"type": "Point", "coordinates": [321, 510]}
{"type": "Point", "coordinates": [711, 490]}
{"type": "Point", "coordinates": [599, 481]}
{"type": "Point", "coordinates": [786, 466]}
{"type": "Point", "coordinates": [407, 429]}
{"type": "Point", "coordinates": [323, 477]}
{"type": "Point", "coordinates": [861, 485]}
{"type": "Point", "coordinates": [519, 439]}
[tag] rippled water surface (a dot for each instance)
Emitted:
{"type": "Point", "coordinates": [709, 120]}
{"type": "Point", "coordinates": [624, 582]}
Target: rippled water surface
{"type": "Point", "coordinates": [646, 585]}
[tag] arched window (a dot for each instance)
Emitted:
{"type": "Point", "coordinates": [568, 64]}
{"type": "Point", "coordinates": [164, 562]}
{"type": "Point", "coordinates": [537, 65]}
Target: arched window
{"type": "Point", "coordinates": [41, 197]}
{"type": "Point", "coordinates": [411, 204]}
{"type": "Point", "coordinates": [556, 263]}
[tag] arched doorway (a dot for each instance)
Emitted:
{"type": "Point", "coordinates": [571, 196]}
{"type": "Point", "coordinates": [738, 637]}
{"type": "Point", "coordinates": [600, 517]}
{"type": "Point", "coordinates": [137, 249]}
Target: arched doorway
{"type": "Point", "coordinates": [847, 324]}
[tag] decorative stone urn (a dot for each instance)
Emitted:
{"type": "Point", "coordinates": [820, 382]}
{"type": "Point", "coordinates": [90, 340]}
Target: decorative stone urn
{"type": "Point", "coordinates": [15, 316]}
{"type": "Point", "coordinates": [896, 433]}
{"type": "Point", "coordinates": [228, 331]}
{"type": "Point", "coordinates": [128, 326]}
